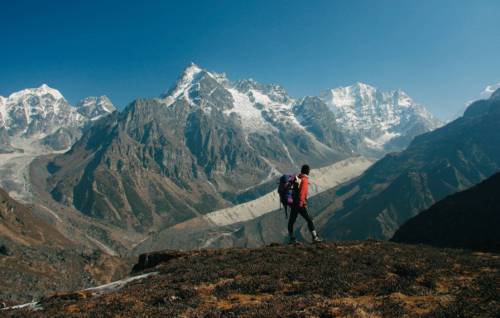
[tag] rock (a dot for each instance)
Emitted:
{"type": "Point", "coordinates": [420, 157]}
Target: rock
{"type": "Point", "coordinates": [150, 260]}
{"type": "Point", "coordinates": [4, 250]}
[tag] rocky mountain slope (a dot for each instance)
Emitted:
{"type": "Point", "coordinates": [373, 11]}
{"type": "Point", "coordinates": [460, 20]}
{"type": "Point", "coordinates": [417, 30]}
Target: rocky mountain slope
{"type": "Point", "coordinates": [162, 161]}
{"type": "Point", "coordinates": [467, 219]}
{"type": "Point", "coordinates": [399, 186]}
{"type": "Point", "coordinates": [375, 121]}
{"type": "Point", "coordinates": [356, 279]}
{"type": "Point", "coordinates": [35, 258]}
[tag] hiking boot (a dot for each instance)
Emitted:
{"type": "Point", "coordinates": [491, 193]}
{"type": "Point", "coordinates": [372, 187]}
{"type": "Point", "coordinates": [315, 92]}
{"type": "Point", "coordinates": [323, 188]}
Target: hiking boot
{"type": "Point", "coordinates": [317, 239]}
{"type": "Point", "coordinates": [292, 240]}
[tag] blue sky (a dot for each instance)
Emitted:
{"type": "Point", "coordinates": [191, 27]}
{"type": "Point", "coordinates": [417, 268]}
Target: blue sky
{"type": "Point", "coordinates": [442, 53]}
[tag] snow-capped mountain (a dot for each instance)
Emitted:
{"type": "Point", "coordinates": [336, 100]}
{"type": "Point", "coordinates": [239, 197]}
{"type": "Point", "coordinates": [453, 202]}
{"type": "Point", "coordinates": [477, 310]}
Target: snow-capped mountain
{"type": "Point", "coordinates": [378, 121]}
{"type": "Point", "coordinates": [94, 108]}
{"type": "Point", "coordinates": [38, 121]}
{"type": "Point", "coordinates": [37, 113]}
{"type": "Point", "coordinates": [247, 99]}
{"type": "Point", "coordinates": [265, 112]}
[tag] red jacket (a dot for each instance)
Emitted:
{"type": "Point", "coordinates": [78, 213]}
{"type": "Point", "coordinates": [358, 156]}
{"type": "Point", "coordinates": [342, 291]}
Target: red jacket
{"type": "Point", "coordinates": [303, 189]}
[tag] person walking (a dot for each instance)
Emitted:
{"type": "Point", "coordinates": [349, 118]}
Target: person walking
{"type": "Point", "coordinates": [299, 206]}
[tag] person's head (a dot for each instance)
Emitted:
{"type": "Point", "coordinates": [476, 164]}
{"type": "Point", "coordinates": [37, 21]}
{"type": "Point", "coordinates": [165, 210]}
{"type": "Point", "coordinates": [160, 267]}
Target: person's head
{"type": "Point", "coordinates": [305, 169]}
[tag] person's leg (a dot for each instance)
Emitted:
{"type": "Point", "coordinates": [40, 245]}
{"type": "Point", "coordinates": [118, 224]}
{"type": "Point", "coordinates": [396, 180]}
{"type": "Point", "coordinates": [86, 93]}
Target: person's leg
{"type": "Point", "coordinates": [305, 215]}
{"type": "Point", "coordinates": [291, 222]}
{"type": "Point", "coordinates": [310, 224]}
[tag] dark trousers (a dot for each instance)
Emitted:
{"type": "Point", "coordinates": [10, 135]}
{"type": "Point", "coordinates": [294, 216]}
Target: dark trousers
{"type": "Point", "coordinates": [293, 217]}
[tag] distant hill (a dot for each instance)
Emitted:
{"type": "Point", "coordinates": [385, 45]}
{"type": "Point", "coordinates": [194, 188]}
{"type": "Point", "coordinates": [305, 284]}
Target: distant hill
{"type": "Point", "coordinates": [467, 219]}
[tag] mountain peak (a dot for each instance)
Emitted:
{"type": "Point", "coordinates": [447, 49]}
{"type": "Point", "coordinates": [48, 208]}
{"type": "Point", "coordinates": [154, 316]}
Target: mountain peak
{"type": "Point", "coordinates": [93, 107]}
{"type": "Point", "coordinates": [191, 75]}
{"type": "Point", "coordinates": [192, 68]}
{"type": "Point", "coordinates": [489, 90]}
{"type": "Point", "coordinates": [42, 90]}
{"type": "Point", "coordinates": [45, 89]}
{"type": "Point", "coordinates": [102, 101]}
{"type": "Point", "coordinates": [363, 86]}
{"type": "Point", "coordinates": [183, 83]}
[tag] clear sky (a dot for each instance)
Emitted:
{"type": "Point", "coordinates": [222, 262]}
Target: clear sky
{"type": "Point", "coordinates": [442, 53]}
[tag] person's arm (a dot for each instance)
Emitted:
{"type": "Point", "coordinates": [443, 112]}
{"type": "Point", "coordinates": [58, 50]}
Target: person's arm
{"type": "Point", "coordinates": [304, 185]}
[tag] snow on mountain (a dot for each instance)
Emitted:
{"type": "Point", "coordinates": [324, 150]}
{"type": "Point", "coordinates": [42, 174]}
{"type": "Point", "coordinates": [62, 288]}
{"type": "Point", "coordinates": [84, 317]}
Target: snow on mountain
{"type": "Point", "coordinates": [188, 88]}
{"type": "Point", "coordinates": [259, 106]}
{"type": "Point", "coordinates": [376, 117]}
{"type": "Point", "coordinates": [183, 85]}
{"type": "Point", "coordinates": [272, 100]}
{"type": "Point", "coordinates": [38, 112]}
{"type": "Point", "coordinates": [264, 112]}
{"type": "Point", "coordinates": [94, 108]}
{"type": "Point", "coordinates": [251, 117]}
{"type": "Point", "coordinates": [37, 121]}
{"type": "Point", "coordinates": [3, 114]}
{"type": "Point", "coordinates": [373, 121]}
{"type": "Point", "coordinates": [489, 90]}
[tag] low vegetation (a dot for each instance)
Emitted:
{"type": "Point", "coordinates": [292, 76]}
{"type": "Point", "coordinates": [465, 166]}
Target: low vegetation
{"type": "Point", "coordinates": [355, 279]}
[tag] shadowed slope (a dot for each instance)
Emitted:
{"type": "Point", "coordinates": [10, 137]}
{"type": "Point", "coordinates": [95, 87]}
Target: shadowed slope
{"type": "Point", "coordinates": [467, 219]}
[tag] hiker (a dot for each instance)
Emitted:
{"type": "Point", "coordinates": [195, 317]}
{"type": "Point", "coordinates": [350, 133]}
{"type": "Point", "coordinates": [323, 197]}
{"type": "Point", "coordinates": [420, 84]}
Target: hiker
{"type": "Point", "coordinates": [299, 205]}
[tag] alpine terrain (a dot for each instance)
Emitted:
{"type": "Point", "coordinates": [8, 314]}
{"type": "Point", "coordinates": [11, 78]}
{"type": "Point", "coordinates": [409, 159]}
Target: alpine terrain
{"type": "Point", "coordinates": [198, 147]}
{"type": "Point", "coordinates": [208, 143]}
{"type": "Point", "coordinates": [399, 186]}
{"type": "Point", "coordinates": [39, 121]}
{"type": "Point", "coordinates": [195, 167]}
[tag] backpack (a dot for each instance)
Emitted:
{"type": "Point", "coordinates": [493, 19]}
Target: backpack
{"type": "Point", "coordinates": [287, 189]}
